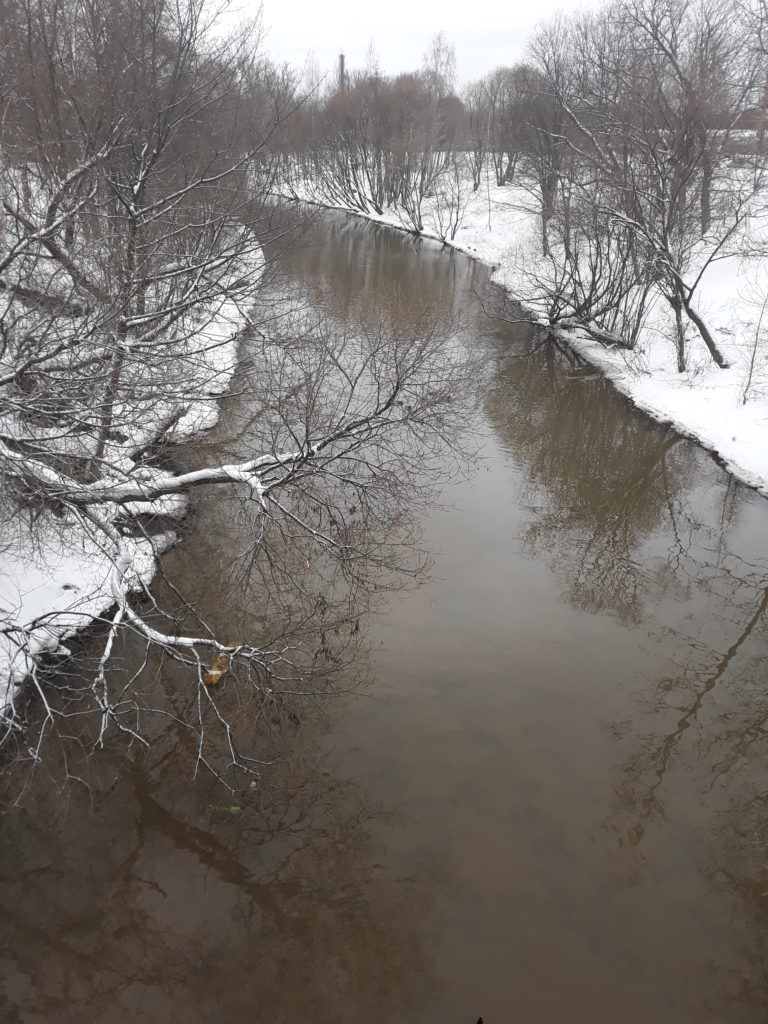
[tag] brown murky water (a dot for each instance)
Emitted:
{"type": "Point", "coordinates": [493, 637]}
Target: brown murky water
{"type": "Point", "coordinates": [551, 802]}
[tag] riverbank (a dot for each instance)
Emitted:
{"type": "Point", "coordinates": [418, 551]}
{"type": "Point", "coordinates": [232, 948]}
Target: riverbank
{"type": "Point", "coordinates": [725, 410]}
{"type": "Point", "coordinates": [56, 571]}
{"type": "Point", "coordinates": [56, 580]}
{"type": "Point", "coordinates": [555, 760]}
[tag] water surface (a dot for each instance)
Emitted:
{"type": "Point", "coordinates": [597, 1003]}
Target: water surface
{"type": "Point", "coordinates": [549, 802]}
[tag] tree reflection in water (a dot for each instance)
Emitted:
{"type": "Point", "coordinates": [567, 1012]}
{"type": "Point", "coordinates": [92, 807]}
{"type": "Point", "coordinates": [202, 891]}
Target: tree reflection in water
{"type": "Point", "coordinates": [640, 525]}
{"type": "Point", "coordinates": [579, 783]}
{"type": "Point", "coordinates": [152, 895]}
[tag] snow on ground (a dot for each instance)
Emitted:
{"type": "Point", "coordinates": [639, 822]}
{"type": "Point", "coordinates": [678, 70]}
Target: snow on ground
{"type": "Point", "coordinates": [54, 589]}
{"type": "Point", "coordinates": [55, 576]}
{"type": "Point", "coordinates": [500, 228]}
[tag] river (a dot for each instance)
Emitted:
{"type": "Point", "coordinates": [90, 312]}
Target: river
{"type": "Point", "coordinates": [543, 798]}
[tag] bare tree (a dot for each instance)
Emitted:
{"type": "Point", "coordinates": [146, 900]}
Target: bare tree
{"type": "Point", "coordinates": [449, 199]}
{"type": "Point", "coordinates": [134, 192]}
{"type": "Point", "coordinates": [635, 110]}
{"type": "Point", "coordinates": [543, 142]}
{"type": "Point", "coordinates": [343, 425]}
{"type": "Point", "coordinates": [439, 67]}
{"type": "Point", "coordinates": [476, 133]}
{"type": "Point", "coordinates": [382, 143]}
{"type": "Point", "coordinates": [506, 91]}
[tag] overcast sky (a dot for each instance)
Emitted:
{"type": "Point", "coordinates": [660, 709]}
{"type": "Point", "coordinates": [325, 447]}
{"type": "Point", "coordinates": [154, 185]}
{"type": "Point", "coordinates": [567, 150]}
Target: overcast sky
{"type": "Point", "coordinates": [401, 30]}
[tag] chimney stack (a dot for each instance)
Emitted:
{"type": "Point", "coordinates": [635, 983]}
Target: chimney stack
{"type": "Point", "coordinates": [342, 74]}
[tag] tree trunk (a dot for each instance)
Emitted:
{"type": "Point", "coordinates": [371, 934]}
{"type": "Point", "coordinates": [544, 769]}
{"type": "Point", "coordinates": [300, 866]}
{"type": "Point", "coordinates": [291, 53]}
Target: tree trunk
{"type": "Point", "coordinates": [548, 193]}
{"type": "Point", "coordinates": [703, 330]}
{"type": "Point", "coordinates": [762, 123]}
{"type": "Point", "coordinates": [544, 233]}
{"type": "Point", "coordinates": [26, 188]}
{"type": "Point", "coordinates": [567, 222]}
{"type": "Point", "coordinates": [107, 411]}
{"type": "Point", "coordinates": [509, 173]}
{"type": "Point", "coordinates": [706, 192]}
{"type": "Point", "coordinates": [679, 333]}
{"type": "Point", "coordinates": [3, 244]}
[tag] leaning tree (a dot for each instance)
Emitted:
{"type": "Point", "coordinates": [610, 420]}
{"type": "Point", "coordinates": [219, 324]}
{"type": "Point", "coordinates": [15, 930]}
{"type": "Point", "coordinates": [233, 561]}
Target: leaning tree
{"type": "Point", "coordinates": [137, 160]}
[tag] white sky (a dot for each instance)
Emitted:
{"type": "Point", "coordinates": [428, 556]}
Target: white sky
{"type": "Point", "coordinates": [401, 30]}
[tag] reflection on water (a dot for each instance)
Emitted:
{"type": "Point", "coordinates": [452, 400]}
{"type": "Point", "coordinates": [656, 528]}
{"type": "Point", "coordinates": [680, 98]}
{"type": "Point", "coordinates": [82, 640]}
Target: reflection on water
{"type": "Point", "coordinates": [176, 901]}
{"type": "Point", "coordinates": [601, 482]}
{"type": "Point", "coordinates": [638, 524]}
{"type": "Point", "coordinates": [550, 801]}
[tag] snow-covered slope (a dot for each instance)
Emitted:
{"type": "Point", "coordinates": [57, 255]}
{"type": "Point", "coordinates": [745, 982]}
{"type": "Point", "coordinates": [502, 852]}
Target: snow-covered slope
{"type": "Point", "coordinates": [55, 574]}
{"type": "Point", "coordinates": [725, 410]}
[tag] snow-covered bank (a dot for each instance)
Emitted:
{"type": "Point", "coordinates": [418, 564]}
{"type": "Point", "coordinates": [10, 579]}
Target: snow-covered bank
{"type": "Point", "coordinates": [56, 572]}
{"type": "Point", "coordinates": [500, 228]}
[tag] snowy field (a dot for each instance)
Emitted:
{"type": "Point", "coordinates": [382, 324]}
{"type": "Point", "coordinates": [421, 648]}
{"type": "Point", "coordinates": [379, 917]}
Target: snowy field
{"type": "Point", "coordinates": [726, 410]}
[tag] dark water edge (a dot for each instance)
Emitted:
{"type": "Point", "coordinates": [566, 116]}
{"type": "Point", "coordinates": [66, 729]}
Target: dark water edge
{"type": "Point", "coordinates": [546, 799]}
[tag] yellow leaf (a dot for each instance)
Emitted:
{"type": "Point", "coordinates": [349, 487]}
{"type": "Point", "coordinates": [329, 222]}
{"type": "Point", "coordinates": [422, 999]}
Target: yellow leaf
{"type": "Point", "coordinates": [218, 670]}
